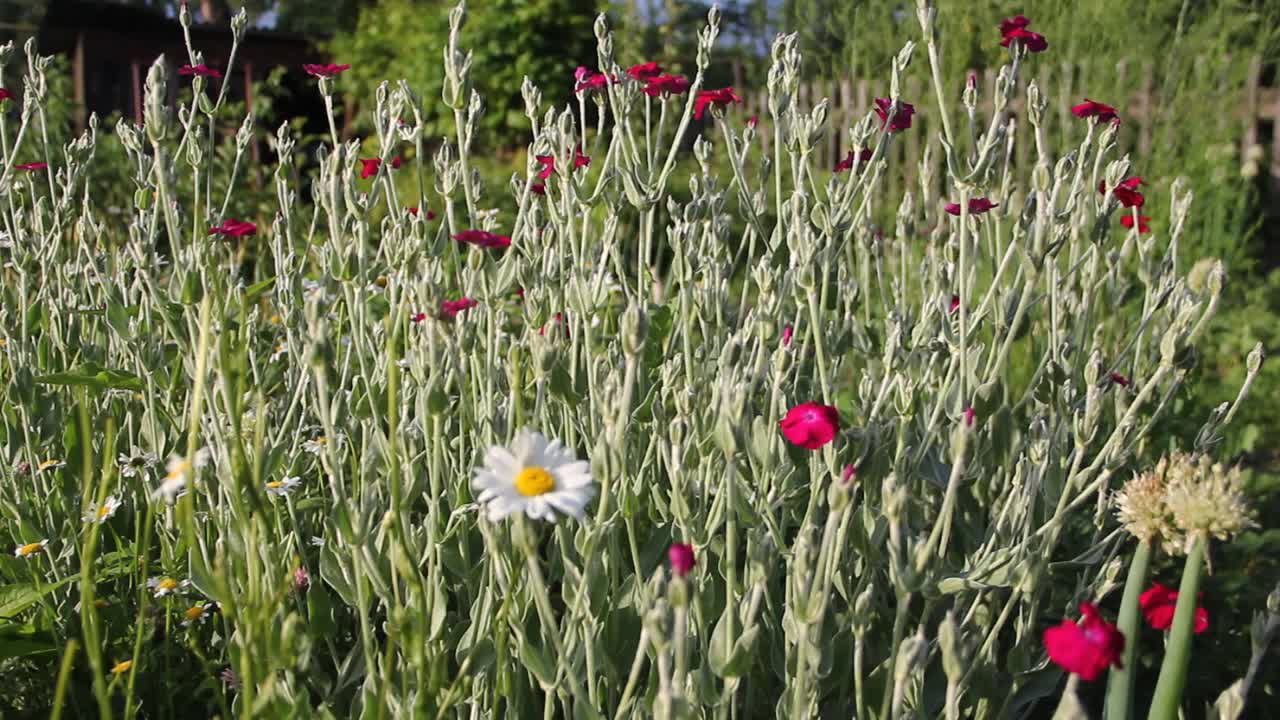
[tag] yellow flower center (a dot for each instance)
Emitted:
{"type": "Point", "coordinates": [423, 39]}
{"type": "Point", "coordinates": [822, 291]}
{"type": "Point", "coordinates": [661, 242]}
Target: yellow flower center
{"type": "Point", "coordinates": [48, 464]}
{"type": "Point", "coordinates": [534, 480]}
{"type": "Point", "coordinates": [180, 468]}
{"type": "Point", "coordinates": [30, 548]}
{"type": "Point", "coordinates": [102, 511]}
{"type": "Point", "coordinates": [122, 667]}
{"type": "Point", "coordinates": [194, 612]}
{"type": "Point", "coordinates": [275, 484]}
{"type": "Point", "coordinates": [167, 584]}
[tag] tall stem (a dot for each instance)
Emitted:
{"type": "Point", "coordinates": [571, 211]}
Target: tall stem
{"type": "Point", "coordinates": [1177, 653]}
{"type": "Point", "coordinates": [1119, 705]}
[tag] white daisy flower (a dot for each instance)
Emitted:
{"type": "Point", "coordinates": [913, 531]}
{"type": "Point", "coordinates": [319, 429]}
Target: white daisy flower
{"type": "Point", "coordinates": [280, 488]}
{"type": "Point", "coordinates": [30, 548]}
{"type": "Point", "coordinates": [316, 445]}
{"type": "Point", "coordinates": [538, 477]}
{"type": "Point", "coordinates": [165, 585]}
{"type": "Point", "coordinates": [177, 470]}
{"type": "Point", "coordinates": [135, 463]}
{"type": "Point", "coordinates": [281, 351]}
{"type": "Point", "coordinates": [403, 363]}
{"type": "Point", "coordinates": [317, 541]}
{"type": "Point", "coordinates": [102, 513]}
{"type": "Point", "coordinates": [197, 613]}
{"type": "Point", "coordinates": [50, 464]}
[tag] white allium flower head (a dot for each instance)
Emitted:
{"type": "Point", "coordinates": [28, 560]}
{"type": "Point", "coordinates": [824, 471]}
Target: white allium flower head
{"type": "Point", "coordinates": [539, 477]}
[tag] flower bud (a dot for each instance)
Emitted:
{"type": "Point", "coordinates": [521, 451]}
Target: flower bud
{"type": "Point", "coordinates": [635, 328]}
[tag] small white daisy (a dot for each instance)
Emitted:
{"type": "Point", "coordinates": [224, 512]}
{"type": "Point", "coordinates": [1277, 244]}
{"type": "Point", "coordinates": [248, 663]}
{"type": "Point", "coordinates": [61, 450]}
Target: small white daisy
{"type": "Point", "coordinates": [177, 470]}
{"type": "Point", "coordinates": [281, 351]}
{"type": "Point", "coordinates": [534, 476]}
{"type": "Point", "coordinates": [165, 585]}
{"type": "Point", "coordinates": [317, 541]}
{"type": "Point", "coordinates": [197, 613]}
{"type": "Point", "coordinates": [316, 445]}
{"type": "Point", "coordinates": [102, 513]}
{"type": "Point", "coordinates": [136, 463]}
{"type": "Point", "coordinates": [280, 488]}
{"type": "Point", "coordinates": [30, 548]}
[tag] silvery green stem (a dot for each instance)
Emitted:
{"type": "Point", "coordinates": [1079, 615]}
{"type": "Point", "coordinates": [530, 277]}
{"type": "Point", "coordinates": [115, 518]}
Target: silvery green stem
{"type": "Point", "coordinates": [1121, 679]}
{"type": "Point", "coordinates": [1167, 701]}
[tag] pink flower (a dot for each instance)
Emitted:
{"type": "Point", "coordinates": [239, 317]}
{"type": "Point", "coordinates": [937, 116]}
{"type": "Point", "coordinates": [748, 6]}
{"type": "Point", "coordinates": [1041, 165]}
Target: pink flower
{"type": "Point", "coordinates": [753, 121]}
{"type": "Point", "coordinates": [449, 309]}
{"type": "Point", "coordinates": [31, 166]}
{"type": "Point", "coordinates": [1158, 603]}
{"type": "Point", "coordinates": [954, 305]}
{"type": "Point", "coordinates": [969, 416]}
{"type": "Point", "coordinates": [849, 472]}
{"type": "Point", "coordinates": [901, 119]}
{"type": "Point", "coordinates": [549, 163]}
{"type": "Point", "coordinates": [590, 80]}
{"type": "Point", "coordinates": [1015, 28]}
{"type": "Point", "coordinates": [414, 211]}
{"type": "Point", "coordinates": [1119, 379]}
{"type": "Point", "coordinates": [810, 425]}
{"type": "Point", "coordinates": [645, 71]}
{"type": "Point", "coordinates": [786, 335]}
{"type": "Point", "coordinates": [853, 159]}
{"type": "Point", "coordinates": [234, 228]}
{"type": "Point", "coordinates": [977, 206]}
{"type": "Point", "coordinates": [1090, 108]}
{"type": "Point", "coordinates": [418, 317]}
{"type": "Point", "coordinates": [1126, 191]}
{"type": "Point", "coordinates": [680, 555]}
{"type": "Point", "coordinates": [666, 85]}
{"type": "Point", "coordinates": [301, 579]}
{"type": "Point", "coordinates": [483, 238]}
{"type": "Point", "coordinates": [720, 97]}
{"type": "Point", "coordinates": [201, 70]}
{"type": "Point", "coordinates": [1087, 649]}
{"type": "Point", "coordinates": [6, 94]}
{"type": "Point", "coordinates": [538, 188]}
{"type": "Point", "coordinates": [326, 70]}
{"type": "Point", "coordinates": [1143, 227]}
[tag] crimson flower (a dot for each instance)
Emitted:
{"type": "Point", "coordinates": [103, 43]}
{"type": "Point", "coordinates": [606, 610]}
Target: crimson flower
{"type": "Point", "coordinates": [645, 71]}
{"type": "Point", "coordinates": [849, 472]}
{"type": "Point", "coordinates": [680, 555]}
{"type": "Point", "coordinates": [549, 163]}
{"type": "Point", "coordinates": [201, 70]}
{"type": "Point", "coordinates": [588, 79]}
{"type": "Point", "coordinates": [753, 121]}
{"type": "Point", "coordinates": [721, 97]}
{"type": "Point", "coordinates": [787, 332]}
{"type": "Point", "coordinates": [449, 309]}
{"type": "Point", "coordinates": [977, 206]}
{"type": "Point", "coordinates": [559, 319]}
{"type": "Point", "coordinates": [418, 317]}
{"type": "Point", "coordinates": [233, 228]}
{"type": "Point", "coordinates": [538, 188]}
{"type": "Point", "coordinates": [954, 305]}
{"type": "Point", "coordinates": [1118, 379]}
{"type": "Point", "coordinates": [1087, 649]}
{"type": "Point", "coordinates": [1015, 28]}
{"type": "Point", "coordinates": [666, 85]}
{"type": "Point", "coordinates": [901, 119]}
{"type": "Point", "coordinates": [1090, 108]}
{"type": "Point", "coordinates": [853, 159]}
{"type": "Point", "coordinates": [483, 238]}
{"type": "Point", "coordinates": [325, 70]}
{"type": "Point", "coordinates": [6, 94]}
{"type": "Point", "coordinates": [31, 166]}
{"type": "Point", "coordinates": [1126, 191]}
{"type": "Point", "coordinates": [969, 416]}
{"type": "Point", "coordinates": [369, 166]}
{"type": "Point", "coordinates": [810, 425]}
{"type": "Point", "coordinates": [1127, 221]}
{"type": "Point", "coordinates": [414, 211]}
{"type": "Point", "coordinates": [1158, 603]}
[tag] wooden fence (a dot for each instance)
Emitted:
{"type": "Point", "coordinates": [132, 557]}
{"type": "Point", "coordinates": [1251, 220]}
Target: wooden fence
{"type": "Point", "coordinates": [1246, 115]}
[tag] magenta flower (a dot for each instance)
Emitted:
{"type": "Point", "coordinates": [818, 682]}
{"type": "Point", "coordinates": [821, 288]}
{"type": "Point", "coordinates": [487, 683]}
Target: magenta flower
{"type": "Point", "coordinates": [680, 555]}
{"type": "Point", "coordinates": [977, 206]}
{"type": "Point", "coordinates": [954, 305]}
{"type": "Point", "coordinates": [369, 166]}
{"type": "Point", "coordinates": [645, 71]}
{"type": "Point", "coordinates": [1087, 649]}
{"type": "Point", "coordinates": [720, 97]}
{"type": "Point", "coordinates": [201, 70]}
{"type": "Point", "coordinates": [588, 79]}
{"type": "Point", "coordinates": [786, 335]}
{"type": "Point", "coordinates": [666, 85]}
{"type": "Point", "coordinates": [449, 309]}
{"type": "Point", "coordinates": [301, 579]}
{"type": "Point", "coordinates": [1015, 29]}
{"type": "Point", "coordinates": [483, 238]}
{"type": "Point", "coordinates": [538, 188]}
{"type": "Point", "coordinates": [969, 416]}
{"type": "Point", "coordinates": [1126, 191]}
{"type": "Point", "coordinates": [849, 472]}
{"type": "Point", "coordinates": [1091, 108]}
{"type": "Point", "coordinates": [1119, 379]}
{"type": "Point", "coordinates": [414, 211]}
{"type": "Point", "coordinates": [753, 121]}
{"type": "Point", "coordinates": [901, 119]}
{"type": "Point", "coordinates": [417, 317]}
{"type": "Point", "coordinates": [326, 70]}
{"type": "Point", "coordinates": [31, 166]}
{"type": "Point", "coordinates": [233, 228]}
{"type": "Point", "coordinates": [1158, 603]}
{"type": "Point", "coordinates": [853, 159]}
{"type": "Point", "coordinates": [549, 163]}
{"type": "Point", "coordinates": [6, 94]}
{"type": "Point", "coordinates": [1143, 227]}
{"type": "Point", "coordinates": [810, 425]}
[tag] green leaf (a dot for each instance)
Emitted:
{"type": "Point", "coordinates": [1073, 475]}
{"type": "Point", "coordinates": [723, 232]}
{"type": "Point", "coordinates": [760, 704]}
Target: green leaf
{"type": "Point", "coordinates": [94, 376]}
{"type": "Point", "coordinates": [536, 661]}
{"type": "Point", "coordinates": [255, 291]}
{"type": "Point", "coordinates": [17, 597]}
{"type": "Point", "coordinates": [25, 640]}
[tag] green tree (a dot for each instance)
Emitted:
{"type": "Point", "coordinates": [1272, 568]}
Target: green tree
{"type": "Point", "coordinates": [404, 39]}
